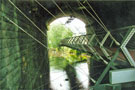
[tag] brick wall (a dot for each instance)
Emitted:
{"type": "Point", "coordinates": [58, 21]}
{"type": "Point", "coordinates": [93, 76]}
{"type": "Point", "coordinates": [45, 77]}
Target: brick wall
{"type": "Point", "coordinates": [23, 62]}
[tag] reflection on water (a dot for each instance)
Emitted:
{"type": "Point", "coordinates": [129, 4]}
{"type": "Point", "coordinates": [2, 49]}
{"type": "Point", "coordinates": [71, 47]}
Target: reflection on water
{"type": "Point", "coordinates": [82, 74]}
{"type": "Point", "coordinates": [59, 80]}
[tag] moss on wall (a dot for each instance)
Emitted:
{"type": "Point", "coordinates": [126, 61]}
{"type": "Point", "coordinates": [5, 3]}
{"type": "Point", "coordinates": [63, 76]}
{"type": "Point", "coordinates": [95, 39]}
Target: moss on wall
{"type": "Point", "coordinates": [23, 62]}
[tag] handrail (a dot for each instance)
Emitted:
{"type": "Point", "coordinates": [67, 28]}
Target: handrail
{"type": "Point", "coordinates": [84, 40]}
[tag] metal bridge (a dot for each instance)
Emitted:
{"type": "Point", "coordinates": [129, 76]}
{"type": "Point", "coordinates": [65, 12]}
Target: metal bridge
{"type": "Point", "coordinates": [24, 63]}
{"type": "Point", "coordinates": [116, 54]}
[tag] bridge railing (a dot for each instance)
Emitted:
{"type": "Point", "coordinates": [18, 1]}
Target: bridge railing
{"type": "Point", "coordinates": [101, 45]}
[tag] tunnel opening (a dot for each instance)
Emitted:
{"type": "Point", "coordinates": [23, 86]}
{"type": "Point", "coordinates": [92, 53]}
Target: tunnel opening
{"type": "Point", "coordinates": [67, 65]}
{"type": "Point", "coordinates": [24, 62]}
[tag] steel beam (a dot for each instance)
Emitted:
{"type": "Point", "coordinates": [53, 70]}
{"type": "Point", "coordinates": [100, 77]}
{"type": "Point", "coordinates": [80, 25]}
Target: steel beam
{"type": "Point", "coordinates": [127, 38]}
{"type": "Point", "coordinates": [107, 68]}
{"type": "Point", "coordinates": [122, 76]}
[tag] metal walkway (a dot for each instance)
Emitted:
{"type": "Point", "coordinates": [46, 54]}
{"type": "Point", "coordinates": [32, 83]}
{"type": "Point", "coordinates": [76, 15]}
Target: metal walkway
{"type": "Point", "coordinates": [102, 47]}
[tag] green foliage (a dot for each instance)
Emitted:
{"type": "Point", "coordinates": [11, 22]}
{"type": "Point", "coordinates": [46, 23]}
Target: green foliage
{"type": "Point", "coordinates": [56, 34]}
{"type": "Point", "coordinates": [58, 62]}
{"type": "Point", "coordinates": [61, 57]}
{"type": "Point", "coordinates": [78, 53]}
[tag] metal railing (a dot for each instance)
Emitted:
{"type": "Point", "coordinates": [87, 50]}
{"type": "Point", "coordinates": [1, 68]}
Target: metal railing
{"type": "Point", "coordinates": [101, 45]}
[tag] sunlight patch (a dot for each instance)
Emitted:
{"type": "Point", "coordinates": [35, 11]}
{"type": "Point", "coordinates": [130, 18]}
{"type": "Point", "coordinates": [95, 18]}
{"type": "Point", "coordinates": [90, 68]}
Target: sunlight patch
{"type": "Point", "coordinates": [75, 25]}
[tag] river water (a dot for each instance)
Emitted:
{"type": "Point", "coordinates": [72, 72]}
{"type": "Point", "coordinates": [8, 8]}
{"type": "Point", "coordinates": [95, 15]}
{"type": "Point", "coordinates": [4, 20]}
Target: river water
{"type": "Point", "coordinates": [59, 80]}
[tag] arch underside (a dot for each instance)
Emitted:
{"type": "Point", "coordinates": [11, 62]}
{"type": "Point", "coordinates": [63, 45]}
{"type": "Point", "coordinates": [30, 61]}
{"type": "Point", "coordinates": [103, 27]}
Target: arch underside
{"type": "Point", "coordinates": [23, 60]}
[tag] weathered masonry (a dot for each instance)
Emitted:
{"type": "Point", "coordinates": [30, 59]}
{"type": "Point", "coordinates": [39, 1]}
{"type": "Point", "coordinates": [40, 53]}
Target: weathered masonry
{"type": "Point", "coordinates": [24, 60]}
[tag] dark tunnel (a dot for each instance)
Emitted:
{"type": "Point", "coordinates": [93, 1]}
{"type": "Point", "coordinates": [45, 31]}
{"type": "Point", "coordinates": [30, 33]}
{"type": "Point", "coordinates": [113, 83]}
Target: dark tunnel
{"type": "Point", "coordinates": [23, 36]}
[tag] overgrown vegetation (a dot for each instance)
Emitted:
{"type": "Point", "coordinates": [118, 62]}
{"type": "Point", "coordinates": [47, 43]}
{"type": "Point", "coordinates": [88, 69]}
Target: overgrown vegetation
{"type": "Point", "coordinates": [60, 57]}
{"type": "Point", "coordinates": [56, 34]}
